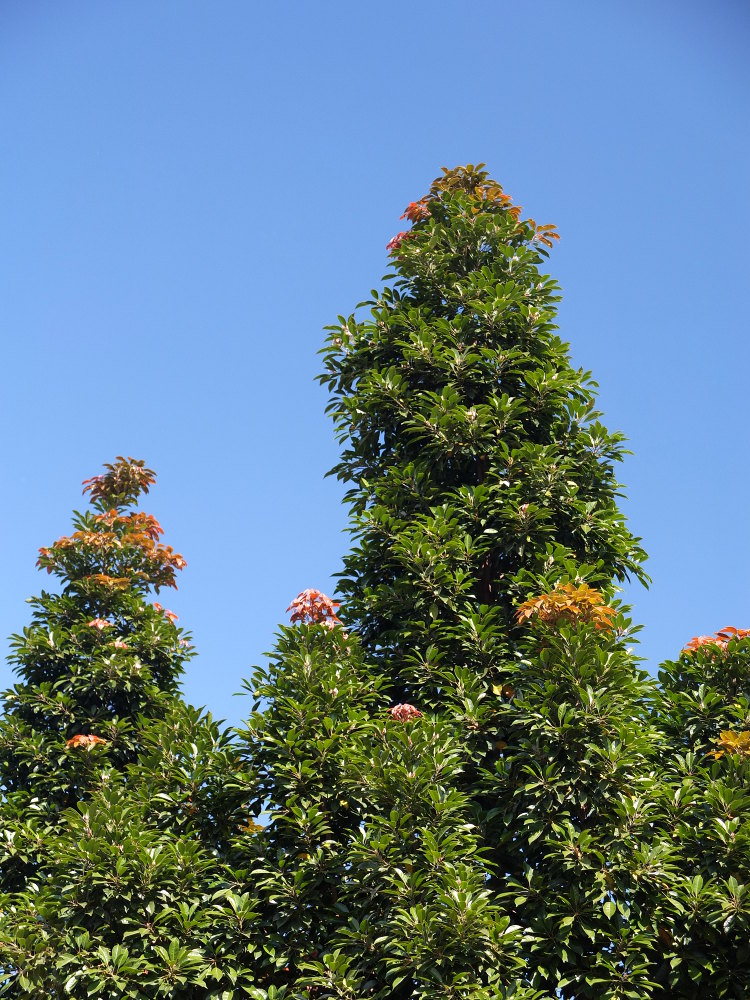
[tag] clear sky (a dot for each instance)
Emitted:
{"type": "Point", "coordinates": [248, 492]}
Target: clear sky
{"type": "Point", "coordinates": [192, 190]}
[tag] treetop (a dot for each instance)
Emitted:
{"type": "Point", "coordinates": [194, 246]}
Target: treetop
{"type": "Point", "coordinates": [122, 483]}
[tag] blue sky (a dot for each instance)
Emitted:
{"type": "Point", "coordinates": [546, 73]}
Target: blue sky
{"type": "Point", "coordinates": [193, 190]}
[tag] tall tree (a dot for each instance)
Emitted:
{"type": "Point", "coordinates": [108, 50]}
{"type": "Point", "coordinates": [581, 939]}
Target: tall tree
{"type": "Point", "coordinates": [120, 802]}
{"type": "Point", "coordinates": [488, 543]}
{"type": "Point", "coordinates": [472, 447]}
{"type": "Point", "coordinates": [450, 784]}
{"type": "Point", "coordinates": [98, 659]}
{"type": "Point", "coordinates": [97, 662]}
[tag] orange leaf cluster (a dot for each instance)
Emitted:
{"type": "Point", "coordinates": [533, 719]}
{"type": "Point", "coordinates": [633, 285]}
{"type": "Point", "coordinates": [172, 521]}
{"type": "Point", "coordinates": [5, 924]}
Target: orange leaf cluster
{"type": "Point", "coordinates": [568, 604]}
{"type": "Point", "coordinates": [166, 556]}
{"type": "Point", "coordinates": [131, 541]}
{"type": "Point", "coordinates": [124, 481]}
{"type": "Point", "coordinates": [313, 606]}
{"type": "Point", "coordinates": [404, 713]}
{"type": "Point", "coordinates": [416, 211]}
{"type": "Point", "coordinates": [487, 194]}
{"type": "Point", "coordinates": [544, 234]}
{"type": "Point", "coordinates": [471, 180]}
{"type": "Point", "coordinates": [733, 743]}
{"type": "Point", "coordinates": [88, 741]}
{"type": "Point", "coordinates": [718, 641]}
{"type": "Point", "coordinates": [136, 523]}
{"type": "Point", "coordinates": [89, 539]}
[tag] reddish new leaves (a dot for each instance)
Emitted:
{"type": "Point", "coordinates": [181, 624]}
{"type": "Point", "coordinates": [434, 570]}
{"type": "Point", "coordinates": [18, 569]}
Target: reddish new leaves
{"type": "Point", "coordinates": [416, 211]}
{"type": "Point", "coordinates": [123, 482]}
{"type": "Point", "coordinates": [86, 741]}
{"type": "Point", "coordinates": [404, 713]}
{"type": "Point", "coordinates": [314, 607]}
{"type": "Point", "coordinates": [719, 641]}
{"type": "Point", "coordinates": [394, 245]}
{"type": "Point", "coordinates": [481, 195]}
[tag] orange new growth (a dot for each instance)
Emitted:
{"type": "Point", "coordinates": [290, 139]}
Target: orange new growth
{"type": "Point", "coordinates": [110, 582]}
{"type": "Point", "coordinates": [718, 642]}
{"type": "Point", "coordinates": [481, 195]}
{"type": "Point", "coordinates": [404, 713]}
{"type": "Point", "coordinates": [86, 741]}
{"type": "Point", "coordinates": [138, 522]}
{"type": "Point", "coordinates": [544, 234]}
{"type": "Point", "coordinates": [568, 604]}
{"type": "Point", "coordinates": [128, 541]}
{"type": "Point", "coordinates": [736, 744]}
{"type": "Point", "coordinates": [486, 195]}
{"type": "Point", "coordinates": [315, 607]}
{"type": "Point", "coordinates": [123, 481]}
{"type": "Point", "coordinates": [416, 211]}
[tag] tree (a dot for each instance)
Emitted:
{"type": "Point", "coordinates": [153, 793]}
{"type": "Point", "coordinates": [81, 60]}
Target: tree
{"type": "Point", "coordinates": [369, 876]}
{"type": "Point", "coordinates": [482, 484]}
{"type": "Point", "coordinates": [467, 809]}
{"type": "Point", "coordinates": [473, 791]}
{"type": "Point", "coordinates": [98, 659]}
{"type": "Point", "coordinates": [133, 897]}
{"type": "Point", "coordinates": [704, 814]}
{"type": "Point", "coordinates": [473, 448]}
{"type": "Point", "coordinates": [98, 663]}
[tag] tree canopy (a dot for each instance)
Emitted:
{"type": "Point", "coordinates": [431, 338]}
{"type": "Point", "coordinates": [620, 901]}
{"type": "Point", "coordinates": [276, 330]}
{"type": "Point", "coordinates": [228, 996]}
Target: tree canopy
{"type": "Point", "coordinates": [456, 780]}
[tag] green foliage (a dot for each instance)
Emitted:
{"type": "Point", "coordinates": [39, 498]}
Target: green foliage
{"type": "Point", "coordinates": [82, 849]}
{"type": "Point", "coordinates": [473, 447]}
{"type": "Point", "coordinates": [457, 783]}
{"type": "Point", "coordinates": [135, 899]}
{"type": "Point", "coordinates": [372, 880]}
{"type": "Point", "coordinates": [705, 810]}
{"type": "Point", "coordinates": [479, 838]}
{"type": "Point", "coordinates": [98, 658]}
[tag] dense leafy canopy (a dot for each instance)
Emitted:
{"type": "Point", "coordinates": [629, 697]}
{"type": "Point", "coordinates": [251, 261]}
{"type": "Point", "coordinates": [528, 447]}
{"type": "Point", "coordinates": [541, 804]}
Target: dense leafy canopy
{"type": "Point", "coordinates": [455, 781]}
